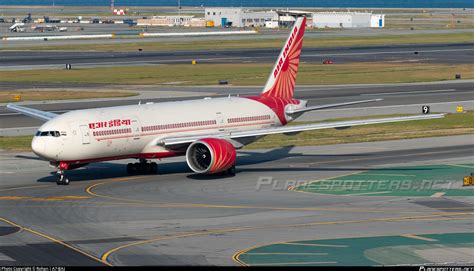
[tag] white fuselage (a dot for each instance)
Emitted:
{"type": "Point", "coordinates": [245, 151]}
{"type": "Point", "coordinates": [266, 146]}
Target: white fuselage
{"type": "Point", "coordinates": [131, 131]}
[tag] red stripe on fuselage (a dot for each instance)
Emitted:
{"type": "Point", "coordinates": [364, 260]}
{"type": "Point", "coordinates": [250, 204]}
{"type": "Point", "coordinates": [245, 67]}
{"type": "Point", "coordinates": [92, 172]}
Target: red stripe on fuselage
{"type": "Point", "coordinates": [276, 104]}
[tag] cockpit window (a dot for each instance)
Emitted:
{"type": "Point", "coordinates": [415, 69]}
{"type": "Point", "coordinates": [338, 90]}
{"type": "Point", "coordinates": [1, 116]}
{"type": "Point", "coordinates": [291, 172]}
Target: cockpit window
{"type": "Point", "coordinates": [48, 133]}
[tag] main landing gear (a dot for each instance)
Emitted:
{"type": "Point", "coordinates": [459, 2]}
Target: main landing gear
{"type": "Point", "coordinates": [143, 167]}
{"type": "Point", "coordinates": [62, 179]}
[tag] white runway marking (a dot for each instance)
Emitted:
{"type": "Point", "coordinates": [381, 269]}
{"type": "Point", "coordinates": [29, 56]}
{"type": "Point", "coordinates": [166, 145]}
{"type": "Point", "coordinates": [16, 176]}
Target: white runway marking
{"type": "Point", "coordinates": [409, 92]}
{"type": "Point", "coordinates": [5, 258]}
{"type": "Point", "coordinates": [438, 195]}
{"type": "Point", "coordinates": [392, 52]}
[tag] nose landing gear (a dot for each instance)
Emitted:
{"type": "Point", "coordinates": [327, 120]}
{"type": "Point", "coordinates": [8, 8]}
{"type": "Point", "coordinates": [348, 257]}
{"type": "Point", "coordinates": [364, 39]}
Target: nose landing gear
{"type": "Point", "coordinates": [62, 179]}
{"type": "Point", "coordinates": [143, 167]}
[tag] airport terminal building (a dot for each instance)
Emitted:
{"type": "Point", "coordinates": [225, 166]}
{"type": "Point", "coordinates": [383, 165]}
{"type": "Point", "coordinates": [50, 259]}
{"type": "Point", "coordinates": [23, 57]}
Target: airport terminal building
{"type": "Point", "coordinates": [239, 17]}
{"type": "Point", "coordinates": [347, 20]}
{"type": "Point", "coordinates": [172, 21]}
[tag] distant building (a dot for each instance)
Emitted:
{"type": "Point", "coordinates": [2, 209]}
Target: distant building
{"type": "Point", "coordinates": [196, 22]}
{"type": "Point", "coordinates": [347, 20]}
{"type": "Point", "coordinates": [377, 20]}
{"type": "Point", "coordinates": [239, 17]}
{"type": "Point", "coordinates": [286, 18]}
{"type": "Point", "coordinates": [167, 21]}
{"type": "Point", "coordinates": [271, 24]}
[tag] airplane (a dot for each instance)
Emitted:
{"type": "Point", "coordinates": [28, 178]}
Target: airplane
{"type": "Point", "coordinates": [206, 131]}
{"type": "Point", "coordinates": [17, 27]}
{"type": "Point", "coordinates": [47, 27]}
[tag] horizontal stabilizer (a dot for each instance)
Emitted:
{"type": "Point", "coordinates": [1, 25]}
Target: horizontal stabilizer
{"type": "Point", "coordinates": [34, 113]}
{"type": "Point", "coordinates": [326, 106]}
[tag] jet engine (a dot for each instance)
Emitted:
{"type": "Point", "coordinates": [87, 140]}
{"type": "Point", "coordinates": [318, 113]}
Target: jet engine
{"type": "Point", "coordinates": [210, 155]}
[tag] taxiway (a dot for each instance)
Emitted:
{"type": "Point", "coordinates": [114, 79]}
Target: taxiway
{"type": "Point", "coordinates": [178, 218]}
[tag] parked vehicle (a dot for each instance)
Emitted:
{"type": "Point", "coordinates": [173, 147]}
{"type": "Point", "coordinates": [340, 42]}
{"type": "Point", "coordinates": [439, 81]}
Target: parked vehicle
{"type": "Point", "coordinates": [328, 61]}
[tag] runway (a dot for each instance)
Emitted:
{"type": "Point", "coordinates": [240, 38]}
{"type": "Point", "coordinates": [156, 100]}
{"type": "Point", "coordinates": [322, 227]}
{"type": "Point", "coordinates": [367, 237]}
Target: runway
{"type": "Point", "coordinates": [422, 53]}
{"type": "Point", "coordinates": [130, 35]}
{"type": "Point", "coordinates": [178, 218]}
{"type": "Point", "coordinates": [398, 98]}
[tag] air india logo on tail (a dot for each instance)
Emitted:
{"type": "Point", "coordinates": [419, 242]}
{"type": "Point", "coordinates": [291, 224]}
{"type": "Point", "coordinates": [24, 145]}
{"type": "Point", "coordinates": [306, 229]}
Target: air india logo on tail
{"type": "Point", "coordinates": [284, 56]}
{"type": "Point", "coordinates": [281, 82]}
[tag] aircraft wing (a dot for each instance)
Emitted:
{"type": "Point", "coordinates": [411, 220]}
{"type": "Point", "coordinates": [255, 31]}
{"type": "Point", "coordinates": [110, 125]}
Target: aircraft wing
{"type": "Point", "coordinates": [319, 107]}
{"type": "Point", "coordinates": [235, 136]}
{"type": "Point", "coordinates": [35, 113]}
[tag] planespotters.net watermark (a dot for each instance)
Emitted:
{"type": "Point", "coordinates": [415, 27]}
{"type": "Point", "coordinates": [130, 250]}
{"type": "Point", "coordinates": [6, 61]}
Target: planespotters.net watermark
{"type": "Point", "coordinates": [269, 182]}
{"type": "Point", "coordinates": [447, 268]}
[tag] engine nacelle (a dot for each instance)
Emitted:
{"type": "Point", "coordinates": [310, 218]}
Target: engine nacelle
{"type": "Point", "coordinates": [210, 155]}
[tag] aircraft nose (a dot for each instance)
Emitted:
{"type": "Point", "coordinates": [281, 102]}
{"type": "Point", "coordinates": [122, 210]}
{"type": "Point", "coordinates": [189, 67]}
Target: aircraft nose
{"type": "Point", "coordinates": [38, 146]}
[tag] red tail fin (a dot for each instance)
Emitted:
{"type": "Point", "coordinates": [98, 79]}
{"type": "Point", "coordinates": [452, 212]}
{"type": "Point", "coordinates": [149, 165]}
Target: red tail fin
{"type": "Point", "coordinates": [281, 82]}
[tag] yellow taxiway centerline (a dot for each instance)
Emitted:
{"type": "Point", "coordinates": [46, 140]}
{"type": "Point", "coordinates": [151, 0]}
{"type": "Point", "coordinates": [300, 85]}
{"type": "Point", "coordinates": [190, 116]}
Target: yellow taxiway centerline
{"type": "Point", "coordinates": [107, 254]}
{"type": "Point", "coordinates": [53, 239]}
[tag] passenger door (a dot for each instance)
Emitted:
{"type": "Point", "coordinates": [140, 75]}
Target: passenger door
{"type": "Point", "coordinates": [135, 130]}
{"type": "Point", "coordinates": [85, 134]}
{"type": "Point", "coordinates": [220, 121]}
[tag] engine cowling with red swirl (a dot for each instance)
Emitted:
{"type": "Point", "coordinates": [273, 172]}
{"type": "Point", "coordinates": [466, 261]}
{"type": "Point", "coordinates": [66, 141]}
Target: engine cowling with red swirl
{"type": "Point", "coordinates": [210, 155]}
